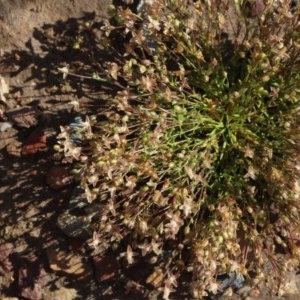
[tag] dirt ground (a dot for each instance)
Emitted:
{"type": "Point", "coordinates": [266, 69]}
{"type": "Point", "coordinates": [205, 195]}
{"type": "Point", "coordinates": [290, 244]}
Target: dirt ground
{"type": "Point", "coordinates": [37, 259]}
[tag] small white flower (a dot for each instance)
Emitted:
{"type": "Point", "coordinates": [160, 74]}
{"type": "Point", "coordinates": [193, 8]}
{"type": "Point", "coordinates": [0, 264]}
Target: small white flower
{"type": "Point", "coordinates": [96, 240]}
{"type": "Point", "coordinates": [64, 70]}
{"type": "Point", "coordinates": [154, 23]}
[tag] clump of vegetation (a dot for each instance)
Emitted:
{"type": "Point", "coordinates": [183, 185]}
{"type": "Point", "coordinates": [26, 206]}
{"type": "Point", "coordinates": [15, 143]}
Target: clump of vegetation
{"type": "Point", "coordinates": [195, 159]}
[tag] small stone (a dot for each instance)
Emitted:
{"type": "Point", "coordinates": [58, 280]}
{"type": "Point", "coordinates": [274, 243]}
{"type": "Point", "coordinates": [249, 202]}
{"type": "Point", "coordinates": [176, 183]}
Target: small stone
{"type": "Point", "coordinates": [8, 137]}
{"type": "Point", "coordinates": [244, 291]}
{"type": "Point", "coordinates": [75, 226]}
{"type": "Point", "coordinates": [58, 177]}
{"type": "Point", "coordinates": [5, 264]}
{"type": "Point", "coordinates": [254, 8]}
{"type": "Point", "coordinates": [233, 279]}
{"type": "Point", "coordinates": [32, 292]}
{"type": "Point", "coordinates": [61, 294]}
{"type": "Point", "coordinates": [5, 126]}
{"type": "Point", "coordinates": [68, 263]}
{"type": "Point", "coordinates": [106, 267]}
{"type": "Point", "coordinates": [31, 279]}
{"type": "Point", "coordinates": [24, 117]}
{"type": "Point", "coordinates": [49, 33]}
{"type": "Point", "coordinates": [35, 141]}
{"type": "Point", "coordinates": [14, 148]}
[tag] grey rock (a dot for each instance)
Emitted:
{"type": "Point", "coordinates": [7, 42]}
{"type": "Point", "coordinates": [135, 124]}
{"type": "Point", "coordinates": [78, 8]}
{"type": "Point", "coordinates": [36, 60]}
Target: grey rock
{"type": "Point", "coordinates": [235, 280]}
{"type": "Point", "coordinates": [77, 220]}
{"type": "Point", "coordinates": [75, 226]}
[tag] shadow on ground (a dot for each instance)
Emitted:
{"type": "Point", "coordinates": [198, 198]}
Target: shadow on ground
{"type": "Point", "coordinates": [29, 207]}
{"type": "Point", "coordinates": [39, 261]}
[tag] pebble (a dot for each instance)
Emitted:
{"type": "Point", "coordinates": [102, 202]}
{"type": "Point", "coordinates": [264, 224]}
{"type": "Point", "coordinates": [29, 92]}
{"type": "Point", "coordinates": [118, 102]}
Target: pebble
{"type": "Point", "coordinates": [257, 8]}
{"type": "Point", "coordinates": [74, 226]}
{"type": "Point", "coordinates": [68, 263]}
{"type": "Point", "coordinates": [61, 293]}
{"type": "Point", "coordinates": [24, 117]}
{"type": "Point", "coordinates": [5, 263]}
{"type": "Point", "coordinates": [7, 137]}
{"type": "Point", "coordinates": [4, 126]}
{"type": "Point", "coordinates": [233, 279]}
{"type": "Point", "coordinates": [31, 278]}
{"type": "Point", "coordinates": [14, 148]}
{"type": "Point", "coordinates": [36, 141]}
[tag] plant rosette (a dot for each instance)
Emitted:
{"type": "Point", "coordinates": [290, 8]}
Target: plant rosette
{"type": "Point", "coordinates": [195, 156]}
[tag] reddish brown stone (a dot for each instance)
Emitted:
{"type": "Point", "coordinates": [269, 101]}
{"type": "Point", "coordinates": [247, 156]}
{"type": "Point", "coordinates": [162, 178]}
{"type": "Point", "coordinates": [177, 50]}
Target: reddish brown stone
{"type": "Point", "coordinates": [106, 267]}
{"type": "Point", "coordinates": [58, 177]}
{"type": "Point", "coordinates": [35, 141]}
